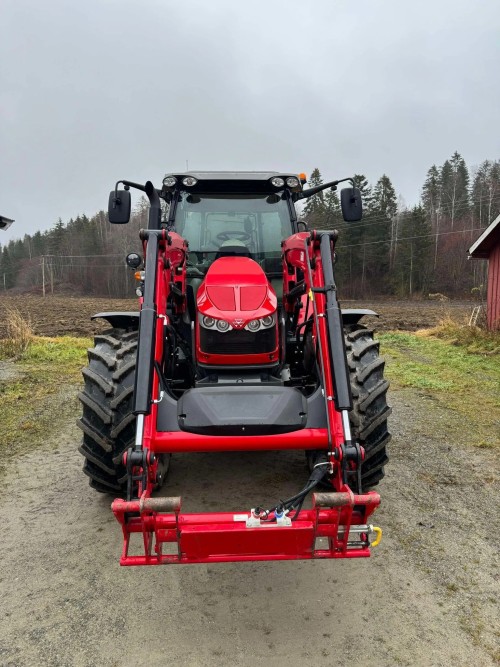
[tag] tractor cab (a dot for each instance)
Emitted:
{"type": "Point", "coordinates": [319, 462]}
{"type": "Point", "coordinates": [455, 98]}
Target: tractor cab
{"type": "Point", "coordinates": [224, 217]}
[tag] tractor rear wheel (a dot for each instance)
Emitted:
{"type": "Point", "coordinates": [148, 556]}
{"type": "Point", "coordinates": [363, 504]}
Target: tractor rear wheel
{"type": "Point", "coordinates": [108, 422]}
{"type": "Point", "coordinates": [369, 393]}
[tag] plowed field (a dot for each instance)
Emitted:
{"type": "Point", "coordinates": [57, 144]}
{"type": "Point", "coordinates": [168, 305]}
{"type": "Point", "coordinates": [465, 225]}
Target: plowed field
{"type": "Point", "coordinates": [57, 315]}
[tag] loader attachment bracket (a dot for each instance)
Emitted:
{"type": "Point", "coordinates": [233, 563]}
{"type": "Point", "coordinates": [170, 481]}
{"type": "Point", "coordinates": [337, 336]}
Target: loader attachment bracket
{"type": "Point", "coordinates": [335, 527]}
{"type": "Point", "coordinates": [352, 456]}
{"type": "Point", "coordinates": [136, 462]}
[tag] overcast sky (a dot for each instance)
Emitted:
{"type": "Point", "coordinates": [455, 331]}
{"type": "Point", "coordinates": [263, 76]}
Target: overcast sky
{"type": "Point", "coordinates": [95, 91]}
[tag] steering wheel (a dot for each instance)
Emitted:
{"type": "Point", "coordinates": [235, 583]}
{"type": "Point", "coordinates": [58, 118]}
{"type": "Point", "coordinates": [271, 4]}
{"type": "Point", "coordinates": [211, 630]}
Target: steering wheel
{"type": "Point", "coordinates": [240, 236]}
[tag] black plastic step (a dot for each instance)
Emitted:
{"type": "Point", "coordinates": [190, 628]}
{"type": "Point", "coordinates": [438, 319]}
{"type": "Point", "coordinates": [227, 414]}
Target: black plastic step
{"type": "Point", "coordinates": [242, 410]}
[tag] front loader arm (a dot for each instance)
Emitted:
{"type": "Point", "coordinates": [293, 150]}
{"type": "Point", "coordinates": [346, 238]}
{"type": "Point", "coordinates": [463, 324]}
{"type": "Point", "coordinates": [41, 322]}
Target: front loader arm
{"type": "Point", "coordinates": [309, 276]}
{"type": "Point", "coordinates": [165, 276]}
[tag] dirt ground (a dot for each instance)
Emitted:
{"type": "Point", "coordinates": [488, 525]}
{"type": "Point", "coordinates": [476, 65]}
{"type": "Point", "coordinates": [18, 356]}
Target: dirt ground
{"type": "Point", "coordinates": [428, 596]}
{"type": "Point", "coordinates": [57, 315]}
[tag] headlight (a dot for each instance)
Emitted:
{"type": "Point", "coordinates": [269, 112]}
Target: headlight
{"type": "Point", "coordinates": [277, 182]}
{"type": "Point", "coordinates": [189, 181]}
{"type": "Point", "coordinates": [292, 182]}
{"type": "Point", "coordinates": [263, 323]}
{"type": "Point", "coordinates": [211, 323]}
{"type": "Point", "coordinates": [169, 181]}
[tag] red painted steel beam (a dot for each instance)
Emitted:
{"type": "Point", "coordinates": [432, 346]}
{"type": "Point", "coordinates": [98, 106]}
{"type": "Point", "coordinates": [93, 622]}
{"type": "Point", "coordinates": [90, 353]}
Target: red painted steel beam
{"type": "Point", "coordinates": [174, 560]}
{"type": "Point", "coordinates": [181, 441]}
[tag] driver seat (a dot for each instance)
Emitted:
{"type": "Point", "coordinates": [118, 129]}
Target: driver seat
{"type": "Point", "coordinates": [233, 248]}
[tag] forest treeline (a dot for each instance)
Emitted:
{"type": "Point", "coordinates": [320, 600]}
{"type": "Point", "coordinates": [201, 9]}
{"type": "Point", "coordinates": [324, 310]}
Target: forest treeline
{"type": "Point", "coordinates": [405, 252]}
{"type": "Point", "coordinates": [393, 251]}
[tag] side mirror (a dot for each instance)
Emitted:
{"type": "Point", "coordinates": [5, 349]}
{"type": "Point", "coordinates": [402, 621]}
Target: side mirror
{"type": "Point", "coordinates": [119, 207]}
{"type": "Point", "coordinates": [302, 226]}
{"type": "Point", "coordinates": [352, 206]}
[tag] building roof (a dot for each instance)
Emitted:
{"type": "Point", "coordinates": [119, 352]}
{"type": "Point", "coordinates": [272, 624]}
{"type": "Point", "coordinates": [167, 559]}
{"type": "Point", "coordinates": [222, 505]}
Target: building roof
{"type": "Point", "coordinates": [486, 242]}
{"type": "Point", "coordinates": [5, 223]}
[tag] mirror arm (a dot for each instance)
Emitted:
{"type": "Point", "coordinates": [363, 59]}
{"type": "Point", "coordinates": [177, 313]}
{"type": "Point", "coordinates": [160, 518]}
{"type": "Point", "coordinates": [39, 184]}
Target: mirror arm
{"type": "Point", "coordinates": [127, 185]}
{"type": "Point", "coordinates": [332, 184]}
{"type": "Point", "coordinates": [130, 184]}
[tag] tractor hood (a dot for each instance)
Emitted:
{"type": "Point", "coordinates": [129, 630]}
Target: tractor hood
{"type": "Point", "coordinates": [237, 290]}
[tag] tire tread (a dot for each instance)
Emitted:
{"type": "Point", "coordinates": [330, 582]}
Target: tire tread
{"type": "Point", "coordinates": [370, 410]}
{"type": "Point", "coordinates": [107, 421]}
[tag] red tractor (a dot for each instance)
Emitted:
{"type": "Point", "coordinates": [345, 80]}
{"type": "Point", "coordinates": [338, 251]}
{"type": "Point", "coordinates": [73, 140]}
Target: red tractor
{"type": "Point", "coordinates": [239, 345]}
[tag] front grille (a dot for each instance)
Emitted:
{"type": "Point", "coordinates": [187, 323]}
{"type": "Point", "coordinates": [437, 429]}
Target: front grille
{"type": "Point", "coordinates": [238, 341]}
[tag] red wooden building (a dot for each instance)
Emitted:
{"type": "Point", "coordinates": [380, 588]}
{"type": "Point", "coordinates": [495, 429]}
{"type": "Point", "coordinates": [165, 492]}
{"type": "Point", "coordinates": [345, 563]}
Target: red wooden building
{"type": "Point", "coordinates": [488, 247]}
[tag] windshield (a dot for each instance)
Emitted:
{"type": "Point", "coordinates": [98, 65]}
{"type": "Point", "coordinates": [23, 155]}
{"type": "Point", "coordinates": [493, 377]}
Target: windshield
{"type": "Point", "coordinates": [218, 223]}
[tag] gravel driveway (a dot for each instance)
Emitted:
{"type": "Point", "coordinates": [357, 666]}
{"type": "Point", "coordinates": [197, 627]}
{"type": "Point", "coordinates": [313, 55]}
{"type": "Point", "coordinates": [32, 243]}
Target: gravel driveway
{"type": "Point", "coordinates": [428, 596]}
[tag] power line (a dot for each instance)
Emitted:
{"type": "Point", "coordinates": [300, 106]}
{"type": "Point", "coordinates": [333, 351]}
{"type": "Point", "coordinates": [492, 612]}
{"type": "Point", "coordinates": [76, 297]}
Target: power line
{"type": "Point", "coordinates": [385, 218]}
{"type": "Point", "coordinates": [89, 266]}
{"type": "Point", "coordinates": [410, 238]}
{"type": "Point", "coordinates": [382, 218]}
{"type": "Point", "coordinates": [76, 256]}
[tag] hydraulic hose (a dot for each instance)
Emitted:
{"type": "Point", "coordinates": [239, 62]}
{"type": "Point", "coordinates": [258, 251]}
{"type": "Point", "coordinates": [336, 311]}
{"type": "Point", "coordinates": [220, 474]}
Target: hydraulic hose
{"type": "Point", "coordinates": [147, 333]}
{"type": "Point", "coordinates": [341, 380]}
{"type": "Point", "coordinates": [143, 383]}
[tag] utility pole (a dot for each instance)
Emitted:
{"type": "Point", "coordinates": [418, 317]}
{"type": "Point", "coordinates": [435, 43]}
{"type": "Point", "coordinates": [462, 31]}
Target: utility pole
{"type": "Point", "coordinates": [43, 275]}
{"type": "Point", "coordinates": [438, 213]}
{"type": "Point", "coordinates": [411, 268]}
{"type": "Point", "coordinates": [51, 273]}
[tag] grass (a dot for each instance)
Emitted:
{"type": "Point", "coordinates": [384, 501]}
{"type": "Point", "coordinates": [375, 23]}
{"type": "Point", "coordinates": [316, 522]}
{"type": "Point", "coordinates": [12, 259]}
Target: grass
{"type": "Point", "coordinates": [39, 392]}
{"type": "Point", "coordinates": [460, 370]}
{"type": "Point", "coordinates": [471, 338]}
{"type": "Point", "coordinates": [19, 334]}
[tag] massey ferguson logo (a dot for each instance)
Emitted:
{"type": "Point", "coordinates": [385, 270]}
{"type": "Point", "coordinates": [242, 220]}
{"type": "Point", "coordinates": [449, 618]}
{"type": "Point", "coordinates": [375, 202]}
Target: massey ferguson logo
{"type": "Point", "coordinates": [238, 323]}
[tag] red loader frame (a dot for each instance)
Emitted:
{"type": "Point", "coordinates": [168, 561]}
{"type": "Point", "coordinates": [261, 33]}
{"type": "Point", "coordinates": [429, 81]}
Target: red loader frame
{"type": "Point", "coordinates": [340, 517]}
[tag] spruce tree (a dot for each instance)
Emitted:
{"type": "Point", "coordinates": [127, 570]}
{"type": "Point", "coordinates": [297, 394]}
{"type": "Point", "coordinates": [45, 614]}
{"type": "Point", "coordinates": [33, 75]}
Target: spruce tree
{"type": "Point", "coordinates": [361, 182]}
{"type": "Point", "coordinates": [379, 233]}
{"type": "Point", "coordinates": [455, 189]}
{"type": "Point", "coordinates": [38, 244]}
{"type": "Point", "coordinates": [332, 210]}
{"type": "Point", "coordinates": [315, 211]}
{"type": "Point", "coordinates": [479, 194]}
{"type": "Point", "coordinates": [7, 269]}
{"type": "Point", "coordinates": [431, 194]}
{"type": "Point", "coordinates": [486, 193]}
{"type": "Point", "coordinates": [494, 191]}
{"type": "Point", "coordinates": [414, 255]}
{"type": "Point", "coordinates": [56, 238]}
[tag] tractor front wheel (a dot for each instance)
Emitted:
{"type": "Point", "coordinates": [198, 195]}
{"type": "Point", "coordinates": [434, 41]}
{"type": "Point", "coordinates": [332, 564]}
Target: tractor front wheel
{"type": "Point", "coordinates": [369, 393]}
{"type": "Point", "coordinates": [108, 422]}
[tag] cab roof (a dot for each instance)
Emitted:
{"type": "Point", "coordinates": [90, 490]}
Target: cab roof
{"type": "Point", "coordinates": [240, 182]}
{"type": "Point", "coordinates": [231, 175]}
